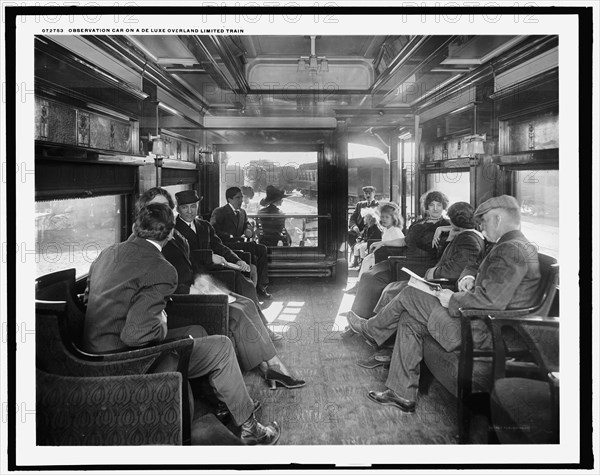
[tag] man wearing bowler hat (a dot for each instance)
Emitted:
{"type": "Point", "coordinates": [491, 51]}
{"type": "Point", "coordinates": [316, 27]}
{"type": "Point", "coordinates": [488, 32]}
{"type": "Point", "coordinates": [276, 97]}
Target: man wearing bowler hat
{"type": "Point", "coordinates": [201, 235]}
{"type": "Point", "coordinates": [507, 278]}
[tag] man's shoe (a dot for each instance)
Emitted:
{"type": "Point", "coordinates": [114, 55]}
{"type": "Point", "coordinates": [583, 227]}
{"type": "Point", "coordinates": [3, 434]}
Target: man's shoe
{"type": "Point", "coordinates": [262, 291]}
{"type": "Point", "coordinates": [274, 336]}
{"type": "Point", "coordinates": [390, 398]}
{"type": "Point", "coordinates": [254, 433]}
{"type": "Point", "coordinates": [359, 325]}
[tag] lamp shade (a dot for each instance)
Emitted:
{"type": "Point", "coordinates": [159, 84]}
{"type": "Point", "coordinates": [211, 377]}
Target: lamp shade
{"type": "Point", "coordinates": [478, 147]}
{"type": "Point", "coordinates": [324, 66]}
{"type": "Point", "coordinates": [158, 147]}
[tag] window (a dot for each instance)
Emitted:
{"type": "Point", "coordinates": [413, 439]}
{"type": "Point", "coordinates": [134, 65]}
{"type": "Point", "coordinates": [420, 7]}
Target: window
{"type": "Point", "coordinates": [453, 183]}
{"type": "Point", "coordinates": [294, 172]}
{"type": "Point", "coordinates": [537, 192]}
{"type": "Point", "coordinates": [72, 232]}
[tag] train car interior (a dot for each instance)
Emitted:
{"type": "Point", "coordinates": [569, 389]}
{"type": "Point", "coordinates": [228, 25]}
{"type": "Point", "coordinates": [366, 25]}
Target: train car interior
{"type": "Point", "coordinates": [301, 124]}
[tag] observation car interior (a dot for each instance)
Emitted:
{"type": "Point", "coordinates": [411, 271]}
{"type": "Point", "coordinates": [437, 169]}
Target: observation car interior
{"type": "Point", "coordinates": [319, 117]}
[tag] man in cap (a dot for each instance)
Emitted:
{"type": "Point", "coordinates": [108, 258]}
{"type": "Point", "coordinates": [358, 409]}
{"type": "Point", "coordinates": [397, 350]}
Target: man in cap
{"type": "Point", "coordinates": [356, 222]}
{"type": "Point", "coordinates": [232, 226]}
{"type": "Point", "coordinates": [507, 278]}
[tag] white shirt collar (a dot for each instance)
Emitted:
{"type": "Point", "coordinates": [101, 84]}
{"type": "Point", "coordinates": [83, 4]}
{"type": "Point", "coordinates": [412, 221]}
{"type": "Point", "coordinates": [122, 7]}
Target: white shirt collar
{"type": "Point", "coordinates": [234, 210]}
{"type": "Point", "coordinates": [155, 244]}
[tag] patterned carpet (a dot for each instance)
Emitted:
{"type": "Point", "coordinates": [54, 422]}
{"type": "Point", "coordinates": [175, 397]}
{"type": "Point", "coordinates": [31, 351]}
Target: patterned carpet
{"type": "Point", "coordinates": [333, 408]}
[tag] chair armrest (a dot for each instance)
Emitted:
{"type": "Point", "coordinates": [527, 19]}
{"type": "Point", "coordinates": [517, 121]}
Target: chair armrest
{"type": "Point", "coordinates": [209, 311]}
{"type": "Point", "coordinates": [482, 312]}
{"type": "Point", "coordinates": [180, 345]}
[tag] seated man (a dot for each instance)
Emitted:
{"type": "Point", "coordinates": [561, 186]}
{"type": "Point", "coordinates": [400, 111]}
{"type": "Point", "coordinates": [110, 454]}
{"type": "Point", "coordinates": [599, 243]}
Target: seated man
{"type": "Point", "coordinates": [356, 222]}
{"type": "Point", "coordinates": [201, 235]}
{"type": "Point", "coordinates": [248, 331]}
{"type": "Point", "coordinates": [232, 226]}
{"type": "Point", "coordinates": [128, 285]}
{"type": "Point", "coordinates": [508, 278]}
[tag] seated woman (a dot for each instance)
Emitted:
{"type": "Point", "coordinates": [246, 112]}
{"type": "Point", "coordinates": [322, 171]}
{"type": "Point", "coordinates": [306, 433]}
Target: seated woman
{"type": "Point", "coordinates": [391, 222]}
{"type": "Point", "coordinates": [273, 229]}
{"type": "Point", "coordinates": [418, 246]}
{"type": "Point", "coordinates": [253, 344]}
{"type": "Point", "coordinates": [372, 231]}
{"type": "Point", "coordinates": [465, 246]}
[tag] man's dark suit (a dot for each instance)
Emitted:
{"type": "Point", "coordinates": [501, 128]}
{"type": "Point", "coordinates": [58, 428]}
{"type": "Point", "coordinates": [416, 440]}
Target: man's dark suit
{"type": "Point", "coordinates": [247, 323]}
{"type": "Point", "coordinates": [231, 228]}
{"type": "Point", "coordinates": [508, 278]}
{"type": "Point", "coordinates": [357, 219]}
{"type": "Point", "coordinates": [128, 285]}
{"type": "Point", "coordinates": [205, 237]}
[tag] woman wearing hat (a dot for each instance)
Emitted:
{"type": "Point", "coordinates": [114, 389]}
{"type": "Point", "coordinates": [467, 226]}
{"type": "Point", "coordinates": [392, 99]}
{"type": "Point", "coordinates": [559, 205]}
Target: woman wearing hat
{"type": "Point", "coordinates": [417, 245]}
{"type": "Point", "coordinates": [273, 229]}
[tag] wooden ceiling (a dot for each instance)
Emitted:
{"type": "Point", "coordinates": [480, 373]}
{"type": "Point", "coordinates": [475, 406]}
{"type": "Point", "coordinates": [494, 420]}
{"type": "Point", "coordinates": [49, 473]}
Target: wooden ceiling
{"type": "Point", "coordinates": [373, 83]}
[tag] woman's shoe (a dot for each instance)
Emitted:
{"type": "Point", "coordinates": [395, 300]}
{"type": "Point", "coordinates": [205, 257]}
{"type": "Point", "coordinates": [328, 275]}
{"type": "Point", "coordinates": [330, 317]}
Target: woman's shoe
{"type": "Point", "coordinates": [274, 377]}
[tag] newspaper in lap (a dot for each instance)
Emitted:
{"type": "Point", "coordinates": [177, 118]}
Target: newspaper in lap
{"type": "Point", "coordinates": [205, 285]}
{"type": "Point", "coordinates": [422, 284]}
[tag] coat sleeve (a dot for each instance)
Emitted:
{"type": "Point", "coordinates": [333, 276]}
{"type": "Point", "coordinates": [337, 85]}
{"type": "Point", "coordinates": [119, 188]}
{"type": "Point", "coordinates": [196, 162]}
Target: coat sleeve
{"type": "Point", "coordinates": [217, 220]}
{"type": "Point", "coordinates": [221, 249]}
{"type": "Point", "coordinates": [146, 319]}
{"type": "Point", "coordinates": [465, 252]}
{"type": "Point", "coordinates": [505, 268]}
{"type": "Point", "coordinates": [355, 215]}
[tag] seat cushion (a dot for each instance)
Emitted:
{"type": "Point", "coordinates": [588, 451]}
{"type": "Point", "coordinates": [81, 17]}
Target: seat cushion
{"type": "Point", "coordinates": [444, 367]}
{"type": "Point", "coordinates": [521, 411]}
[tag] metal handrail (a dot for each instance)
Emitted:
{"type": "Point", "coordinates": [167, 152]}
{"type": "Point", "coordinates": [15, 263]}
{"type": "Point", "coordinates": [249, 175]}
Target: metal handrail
{"type": "Point", "coordinates": [328, 216]}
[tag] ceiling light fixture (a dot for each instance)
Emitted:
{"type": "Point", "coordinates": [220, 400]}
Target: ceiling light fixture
{"type": "Point", "coordinates": [313, 64]}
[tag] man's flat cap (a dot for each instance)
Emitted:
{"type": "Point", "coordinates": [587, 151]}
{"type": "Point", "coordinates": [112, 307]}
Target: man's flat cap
{"type": "Point", "coordinates": [186, 197]}
{"type": "Point", "coordinates": [369, 188]}
{"type": "Point", "coordinates": [503, 201]}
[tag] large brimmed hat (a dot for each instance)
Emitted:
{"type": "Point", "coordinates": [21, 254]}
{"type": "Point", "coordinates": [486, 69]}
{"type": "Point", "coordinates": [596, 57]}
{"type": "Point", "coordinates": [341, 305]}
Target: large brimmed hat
{"type": "Point", "coordinates": [273, 194]}
{"type": "Point", "coordinates": [186, 197]}
{"type": "Point", "coordinates": [503, 201]}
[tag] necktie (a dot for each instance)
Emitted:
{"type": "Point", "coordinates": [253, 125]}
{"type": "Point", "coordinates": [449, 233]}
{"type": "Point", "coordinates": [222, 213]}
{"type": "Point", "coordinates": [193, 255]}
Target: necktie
{"type": "Point", "coordinates": [192, 227]}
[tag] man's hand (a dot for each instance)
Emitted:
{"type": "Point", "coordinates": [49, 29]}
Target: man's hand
{"type": "Point", "coordinates": [244, 266]}
{"type": "Point", "coordinates": [466, 283]}
{"type": "Point", "coordinates": [218, 259]}
{"type": "Point", "coordinates": [355, 229]}
{"type": "Point", "coordinates": [444, 297]}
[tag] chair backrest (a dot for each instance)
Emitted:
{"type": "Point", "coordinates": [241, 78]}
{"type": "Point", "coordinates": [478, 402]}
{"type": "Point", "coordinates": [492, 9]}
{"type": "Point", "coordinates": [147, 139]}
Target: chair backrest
{"type": "Point", "coordinates": [60, 286]}
{"type": "Point", "coordinates": [549, 270]}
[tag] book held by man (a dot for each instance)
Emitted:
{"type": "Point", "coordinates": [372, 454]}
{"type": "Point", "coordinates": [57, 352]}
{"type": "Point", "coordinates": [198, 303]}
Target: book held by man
{"type": "Point", "coordinates": [418, 282]}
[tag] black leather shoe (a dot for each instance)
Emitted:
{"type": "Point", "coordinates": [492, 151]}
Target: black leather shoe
{"type": "Point", "coordinates": [359, 325]}
{"type": "Point", "coordinates": [262, 291]}
{"type": "Point", "coordinates": [390, 398]}
{"type": "Point", "coordinates": [254, 433]}
{"type": "Point", "coordinates": [275, 378]}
